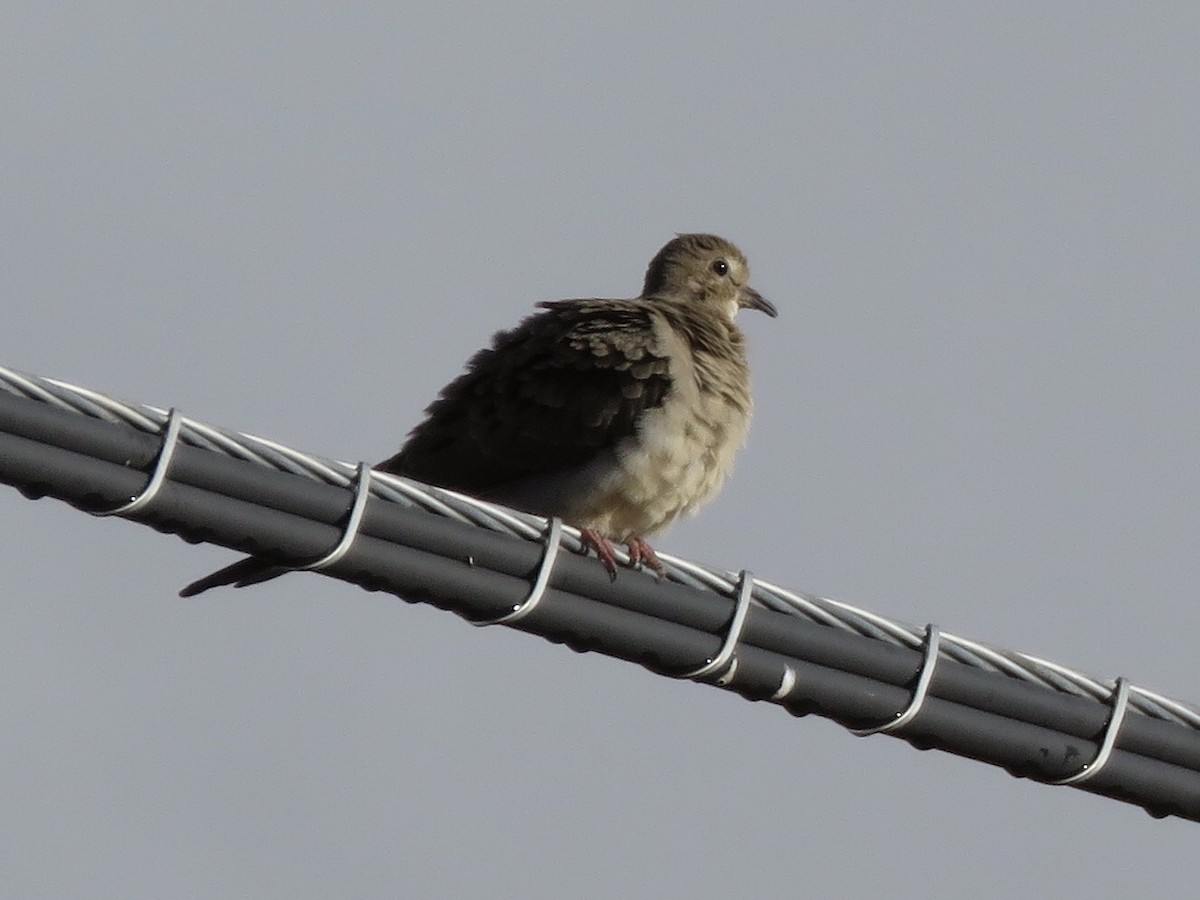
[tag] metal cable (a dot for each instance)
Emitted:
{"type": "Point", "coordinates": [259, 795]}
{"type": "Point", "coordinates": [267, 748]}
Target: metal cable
{"type": "Point", "coordinates": [96, 452]}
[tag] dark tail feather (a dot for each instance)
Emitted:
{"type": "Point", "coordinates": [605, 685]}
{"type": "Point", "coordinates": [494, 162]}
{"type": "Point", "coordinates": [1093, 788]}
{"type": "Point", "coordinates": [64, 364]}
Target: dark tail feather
{"type": "Point", "coordinates": [242, 573]}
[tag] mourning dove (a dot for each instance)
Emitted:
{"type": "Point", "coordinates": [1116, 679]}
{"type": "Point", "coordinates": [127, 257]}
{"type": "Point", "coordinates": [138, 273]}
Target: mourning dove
{"type": "Point", "coordinates": [618, 416]}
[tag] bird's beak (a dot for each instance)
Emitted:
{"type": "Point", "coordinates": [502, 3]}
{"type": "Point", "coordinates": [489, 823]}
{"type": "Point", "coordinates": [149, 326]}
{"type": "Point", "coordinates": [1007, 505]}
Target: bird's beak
{"type": "Point", "coordinates": [749, 298]}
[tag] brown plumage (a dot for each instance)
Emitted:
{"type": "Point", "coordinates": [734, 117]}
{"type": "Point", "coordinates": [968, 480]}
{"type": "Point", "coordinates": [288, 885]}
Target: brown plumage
{"type": "Point", "coordinates": [617, 415]}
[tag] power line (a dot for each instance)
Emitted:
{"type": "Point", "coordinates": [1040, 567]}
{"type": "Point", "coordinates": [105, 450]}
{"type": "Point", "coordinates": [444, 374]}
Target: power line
{"type": "Point", "coordinates": [808, 654]}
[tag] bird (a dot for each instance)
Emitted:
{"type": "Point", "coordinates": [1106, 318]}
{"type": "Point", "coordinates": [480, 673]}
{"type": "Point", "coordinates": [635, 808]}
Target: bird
{"type": "Point", "coordinates": [618, 416]}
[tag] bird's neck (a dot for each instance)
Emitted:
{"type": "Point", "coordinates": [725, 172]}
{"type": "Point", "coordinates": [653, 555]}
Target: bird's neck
{"type": "Point", "coordinates": [706, 329]}
{"type": "Point", "coordinates": [718, 348]}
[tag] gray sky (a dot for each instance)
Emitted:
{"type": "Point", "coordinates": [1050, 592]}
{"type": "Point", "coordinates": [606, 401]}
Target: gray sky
{"type": "Point", "coordinates": [978, 407]}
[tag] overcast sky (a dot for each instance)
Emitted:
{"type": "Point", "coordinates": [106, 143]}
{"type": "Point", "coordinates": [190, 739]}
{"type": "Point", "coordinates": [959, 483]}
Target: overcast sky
{"type": "Point", "coordinates": [978, 407]}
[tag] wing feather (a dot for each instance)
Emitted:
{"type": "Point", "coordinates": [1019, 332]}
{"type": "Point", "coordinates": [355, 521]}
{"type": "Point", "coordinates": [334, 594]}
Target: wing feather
{"type": "Point", "coordinates": [546, 396]}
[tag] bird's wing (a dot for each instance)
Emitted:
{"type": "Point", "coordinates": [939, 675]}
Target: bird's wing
{"type": "Point", "coordinates": [544, 400]}
{"type": "Point", "coordinates": [547, 396]}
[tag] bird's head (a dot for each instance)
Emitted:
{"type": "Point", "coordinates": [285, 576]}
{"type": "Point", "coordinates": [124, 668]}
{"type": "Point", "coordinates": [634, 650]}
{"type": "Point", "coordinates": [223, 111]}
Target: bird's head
{"type": "Point", "coordinates": [705, 269]}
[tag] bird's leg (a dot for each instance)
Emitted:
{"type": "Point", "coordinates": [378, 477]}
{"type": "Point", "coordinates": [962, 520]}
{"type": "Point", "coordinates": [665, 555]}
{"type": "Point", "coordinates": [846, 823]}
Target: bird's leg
{"type": "Point", "coordinates": [603, 547]}
{"type": "Point", "coordinates": [643, 553]}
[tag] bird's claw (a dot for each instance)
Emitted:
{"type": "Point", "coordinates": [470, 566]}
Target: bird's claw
{"type": "Point", "coordinates": [640, 553]}
{"type": "Point", "coordinates": [592, 539]}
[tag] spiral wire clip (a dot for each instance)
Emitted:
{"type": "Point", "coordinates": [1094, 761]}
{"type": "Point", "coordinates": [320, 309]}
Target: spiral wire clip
{"type": "Point", "coordinates": [1120, 703]}
{"type": "Point", "coordinates": [362, 491]}
{"type": "Point", "coordinates": [933, 640]}
{"type": "Point", "coordinates": [550, 546]}
{"type": "Point", "coordinates": [158, 476]}
{"type": "Point", "coordinates": [724, 664]}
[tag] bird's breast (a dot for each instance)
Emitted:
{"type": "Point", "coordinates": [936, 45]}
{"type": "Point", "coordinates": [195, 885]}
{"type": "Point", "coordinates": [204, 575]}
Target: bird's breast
{"type": "Point", "coordinates": [681, 452]}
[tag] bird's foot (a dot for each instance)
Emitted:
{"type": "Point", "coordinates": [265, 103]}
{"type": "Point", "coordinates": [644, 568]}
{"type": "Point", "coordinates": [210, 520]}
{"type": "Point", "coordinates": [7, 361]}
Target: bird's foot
{"type": "Point", "coordinates": [640, 553]}
{"type": "Point", "coordinates": [594, 540]}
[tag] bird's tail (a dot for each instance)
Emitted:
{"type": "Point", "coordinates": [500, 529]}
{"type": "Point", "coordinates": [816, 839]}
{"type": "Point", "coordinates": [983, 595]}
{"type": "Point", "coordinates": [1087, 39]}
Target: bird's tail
{"type": "Point", "coordinates": [242, 573]}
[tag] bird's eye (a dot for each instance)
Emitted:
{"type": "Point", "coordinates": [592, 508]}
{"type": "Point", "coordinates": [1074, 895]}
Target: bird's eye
{"type": "Point", "coordinates": [720, 267]}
